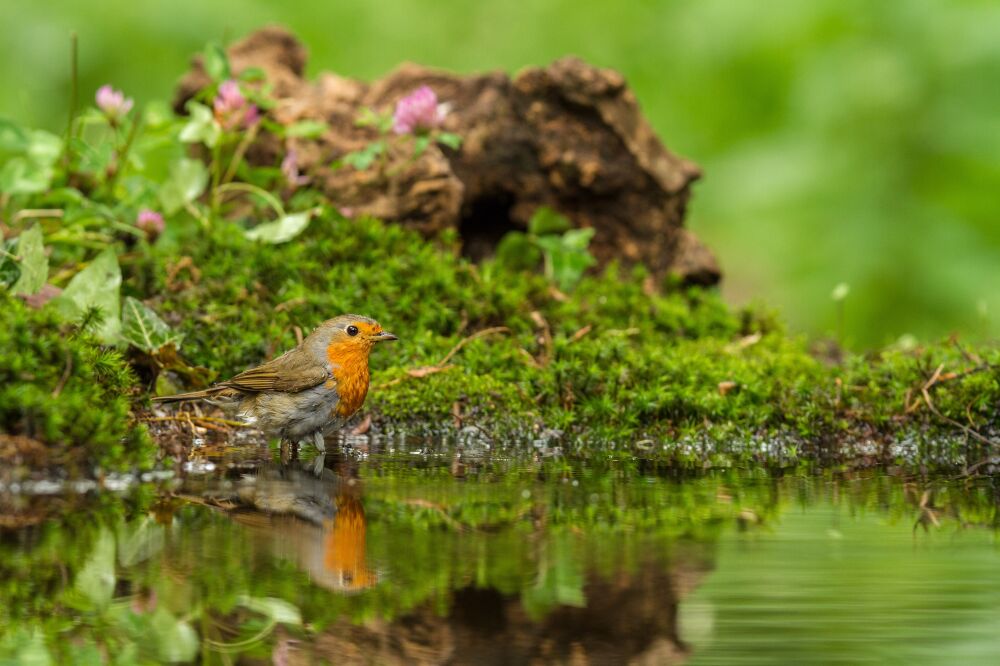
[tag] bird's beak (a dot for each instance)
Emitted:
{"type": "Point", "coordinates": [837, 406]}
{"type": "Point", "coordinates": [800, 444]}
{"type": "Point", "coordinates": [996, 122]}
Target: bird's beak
{"type": "Point", "coordinates": [384, 336]}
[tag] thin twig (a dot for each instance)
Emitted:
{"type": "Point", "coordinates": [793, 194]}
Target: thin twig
{"type": "Point", "coordinates": [985, 461]}
{"type": "Point", "coordinates": [579, 335]}
{"type": "Point", "coordinates": [970, 357]}
{"type": "Point", "coordinates": [185, 417]}
{"type": "Point", "coordinates": [969, 431]}
{"type": "Point", "coordinates": [442, 365]}
{"type": "Point", "coordinates": [65, 375]}
{"type": "Point", "coordinates": [467, 340]}
{"type": "Point", "coordinates": [545, 338]}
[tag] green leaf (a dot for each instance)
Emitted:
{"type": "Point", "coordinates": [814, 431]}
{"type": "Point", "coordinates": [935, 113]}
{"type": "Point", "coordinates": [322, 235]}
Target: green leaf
{"type": "Point", "coordinates": [34, 264]}
{"type": "Point", "coordinates": [30, 649]}
{"type": "Point", "coordinates": [20, 176]}
{"type": "Point", "coordinates": [186, 182]}
{"type": "Point", "coordinates": [566, 256]}
{"type": "Point", "coordinates": [306, 129]}
{"type": "Point", "coordinates": [13, 138]}
{"type": "Point", "coordinates": [143, 328]}
{"type": "Point", "coordinates": [252, 74]}
{"type": "Point", "coordinates": [216, 61]}
{"type": "Point", "coordinates": [175, 640]}
{"type": "Point", "coordinates": [362, 159]}
{"type": "Point", "coordinates": [94, 157]}
{"type": "Point", "coordinates": [86, 653]}
{"type": "Point", "coordinates": [139, 540]}
{"type": "Point", "coordinates": [420, 144]}
{"type": "Point", "coordinates": [560, 583]}
{"type": "Point", "coordinates": [97, 285]}
{"type": "Point", "coordinates": [369, 118]}
{"type": "Point", "coordinates": [28, 157]}
{"type": "Point", "coordinates": [516, 250]}
{"type": "Point", "coordinates": [10, 270]}
{"type": "Point", "coordinates": [281, 230]}
{"type": "Point", "coordinates": [449, 139]}
{"type": "Point", "coordinates": [43, 147]}
{"type": "Point", "coordinates": [156, 114]}
{"type": "Point", "coordinates": [547, 221]}
{"type": "Point", "coordinates": [201, 126]}
{"type": "Point", "coordinates": [96, 580]}
{"type": "Point", "coordinates": [278, 610]}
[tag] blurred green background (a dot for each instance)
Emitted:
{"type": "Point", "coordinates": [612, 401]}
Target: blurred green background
{"type": "Point", "coordinates": [844, 141]}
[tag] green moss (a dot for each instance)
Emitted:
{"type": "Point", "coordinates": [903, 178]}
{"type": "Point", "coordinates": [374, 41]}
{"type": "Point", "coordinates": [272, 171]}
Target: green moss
{"type": "Point", "coordinates": [63, 390]}
{"type": "Point", "coordinates": [610, 362]}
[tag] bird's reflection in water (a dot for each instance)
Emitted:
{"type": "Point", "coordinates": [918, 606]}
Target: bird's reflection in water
{"type": "Point", "coordinates": [309, 513]}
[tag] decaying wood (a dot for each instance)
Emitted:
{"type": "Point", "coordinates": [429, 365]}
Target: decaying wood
{"type": "Point", "coordinates": [570, 136]}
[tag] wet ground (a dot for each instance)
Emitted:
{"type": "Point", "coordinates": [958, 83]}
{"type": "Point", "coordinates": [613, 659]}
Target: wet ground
{"type": "Point", "coordinates": [408, 553]}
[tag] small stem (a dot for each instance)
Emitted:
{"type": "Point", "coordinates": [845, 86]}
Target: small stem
{"type": "Point", "coordinates": [383, 160]}
{"type": "Point", "coordinates": [73, 97]}
{"type": "Point", "coordinates": [123, 154]}
{"type": "Point", "coordinates": [216, 176]}
{"type": "Point", "coordinates": [29, 213]}
{"type": "Point", "coordinates": [196, 214]}
{"type": "Point", "coordinates": [271, 200]}
{"type": "Point", "coordinates": [400, 168]}
{"type": "Point", "coordinates": [241, 149]}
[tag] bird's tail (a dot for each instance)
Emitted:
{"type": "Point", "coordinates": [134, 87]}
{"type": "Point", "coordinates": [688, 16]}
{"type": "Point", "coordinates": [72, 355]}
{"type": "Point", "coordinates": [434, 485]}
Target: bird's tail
{"type": "Point", "coordinates": [193, 395]}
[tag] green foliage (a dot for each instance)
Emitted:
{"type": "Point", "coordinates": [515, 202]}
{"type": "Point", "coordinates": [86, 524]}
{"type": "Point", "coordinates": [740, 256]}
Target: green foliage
{"type": "Point", "coordinates": [186, 182]}
{"type": "Point", "coordinates": [201, 126]}
{"type": "Point", "coordinates": [551, 236]}
{"type": "Point", "coordinates": [52, 378]}
{"type": "Point", "coordinates": [144, 329]}
{"type": "Point", "coordinates": [34, 265]}
{"type": "Point", "coordinates": [306, 129]}
{"type": "Point", "coordinates": [282, 230]}
{"type": "Point", "coordinates": [216, 61]}
{"type": "Point", "coordinates": [28, 158]}
{"type": "Point", "coordinates": [363, 158]}
{"type": "Point", "coordinates": [96, 286]}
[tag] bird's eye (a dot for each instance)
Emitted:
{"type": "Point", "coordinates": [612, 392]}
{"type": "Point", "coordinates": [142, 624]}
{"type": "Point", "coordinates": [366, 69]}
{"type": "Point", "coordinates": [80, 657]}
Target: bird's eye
{"type": "Point", "coordinates": [352, 330]}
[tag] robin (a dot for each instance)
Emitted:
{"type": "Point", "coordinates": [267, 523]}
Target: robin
{"type": "Point", "coordinates": [308, 390]}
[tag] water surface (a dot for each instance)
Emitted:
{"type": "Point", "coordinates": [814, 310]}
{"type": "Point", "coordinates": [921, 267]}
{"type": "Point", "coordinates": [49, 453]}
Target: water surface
{"type": "Point", "coordinates": [414, 555]}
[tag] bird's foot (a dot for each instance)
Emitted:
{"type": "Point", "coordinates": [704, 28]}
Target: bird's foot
{"type": "Point", "coordinates": [319, 464]}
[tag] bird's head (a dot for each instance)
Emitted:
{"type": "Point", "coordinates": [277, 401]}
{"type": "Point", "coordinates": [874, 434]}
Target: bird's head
{"type": "Point", "coordinates": [348, 335]}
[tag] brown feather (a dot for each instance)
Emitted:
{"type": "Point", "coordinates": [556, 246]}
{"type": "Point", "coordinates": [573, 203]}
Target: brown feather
{"type": "Point", "coordinates": [291, 372]}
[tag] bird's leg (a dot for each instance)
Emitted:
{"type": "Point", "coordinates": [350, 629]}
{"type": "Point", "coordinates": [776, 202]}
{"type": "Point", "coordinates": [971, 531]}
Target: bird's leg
{"type": "Point", "coordinates": [319, 441]}
{"type": "Point", "coordinates": [286, 450]}
{"type": "Point", "coordinates": [319, 463]}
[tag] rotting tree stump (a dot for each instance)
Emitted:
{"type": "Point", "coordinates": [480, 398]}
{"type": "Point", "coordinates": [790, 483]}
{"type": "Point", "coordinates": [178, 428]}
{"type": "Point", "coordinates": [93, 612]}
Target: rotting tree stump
{"type": "Point", "coordinates": [569, 136]}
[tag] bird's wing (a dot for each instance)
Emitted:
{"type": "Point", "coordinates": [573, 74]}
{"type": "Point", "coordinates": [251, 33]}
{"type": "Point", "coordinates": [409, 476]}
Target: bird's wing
{"type": "Point", "coordinates": [291, 372]}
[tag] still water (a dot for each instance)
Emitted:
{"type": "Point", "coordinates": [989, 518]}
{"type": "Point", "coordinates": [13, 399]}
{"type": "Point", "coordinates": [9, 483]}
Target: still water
{"type": "Point", "coordinates": [417, 556]}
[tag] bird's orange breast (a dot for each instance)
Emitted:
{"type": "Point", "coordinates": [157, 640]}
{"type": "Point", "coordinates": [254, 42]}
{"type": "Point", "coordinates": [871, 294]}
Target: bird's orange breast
{"type": "Point", "coordinates": [350, 369]}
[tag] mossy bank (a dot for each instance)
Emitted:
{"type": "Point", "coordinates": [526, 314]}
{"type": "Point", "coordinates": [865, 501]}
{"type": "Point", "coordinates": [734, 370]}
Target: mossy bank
{"type": "Point", "coordinates": [609, 363]}
{"type": "Point", "coordinates": [675, 375]}
{"type": "Point", "coordinates": [64, 398]}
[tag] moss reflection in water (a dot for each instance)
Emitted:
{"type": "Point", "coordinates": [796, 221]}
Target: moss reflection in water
{"type": "Point", "coordinates": [398, 561]}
